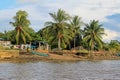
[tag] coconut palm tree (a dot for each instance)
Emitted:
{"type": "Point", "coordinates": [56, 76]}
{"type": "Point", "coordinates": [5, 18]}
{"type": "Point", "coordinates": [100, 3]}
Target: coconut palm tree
{"type": "Point", "coordinates": [114, 46]}
{"type": "Point", "coordinates": [93, 34]}
{"type": "Point", "coordinates": [75, 24]}
{"type": "Point", "coordinates": [20, 23]}
{"type": "Point", "coordinates": [58, 28]}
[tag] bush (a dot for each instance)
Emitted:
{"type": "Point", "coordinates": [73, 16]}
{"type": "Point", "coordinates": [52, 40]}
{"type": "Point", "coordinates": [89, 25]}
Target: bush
{"type": "Point", "coordinates": [4, 48]}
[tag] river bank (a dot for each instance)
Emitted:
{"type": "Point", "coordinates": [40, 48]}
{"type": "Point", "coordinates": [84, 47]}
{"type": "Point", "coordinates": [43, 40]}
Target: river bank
{"type": "Point", "coordinates": [28, 57]}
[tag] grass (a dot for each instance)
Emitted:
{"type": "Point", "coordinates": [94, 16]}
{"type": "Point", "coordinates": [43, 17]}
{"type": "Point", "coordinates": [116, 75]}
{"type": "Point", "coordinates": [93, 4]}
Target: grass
{"type": "Point", "coordinates": [4, 48]}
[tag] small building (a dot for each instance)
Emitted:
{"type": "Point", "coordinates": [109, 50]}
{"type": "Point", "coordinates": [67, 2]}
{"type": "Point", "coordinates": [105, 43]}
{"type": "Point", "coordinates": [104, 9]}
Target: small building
{"type": "Point", "coordinates": [39, 45]}
{"type": "Point", "coordinates": [4, 42]}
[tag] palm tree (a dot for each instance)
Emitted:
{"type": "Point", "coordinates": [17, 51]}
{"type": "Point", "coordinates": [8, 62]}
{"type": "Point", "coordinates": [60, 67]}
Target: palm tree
{"type": "Point", "coordinates": [93, 34]}
{"type": "Point", "coordinates": [58, 28]}
{"type": "Point", "coordinates": [45, 33]}
{"type": "Point", "coordinates": [114, 46]}
{"type": "Point", "coordinates": [75, 24]}
{"type": "Point", "coordinates": [20, 23]}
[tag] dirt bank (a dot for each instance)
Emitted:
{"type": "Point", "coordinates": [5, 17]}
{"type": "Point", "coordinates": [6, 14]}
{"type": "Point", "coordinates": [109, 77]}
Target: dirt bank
{"type": "Point", "coordinates": [28, 57]}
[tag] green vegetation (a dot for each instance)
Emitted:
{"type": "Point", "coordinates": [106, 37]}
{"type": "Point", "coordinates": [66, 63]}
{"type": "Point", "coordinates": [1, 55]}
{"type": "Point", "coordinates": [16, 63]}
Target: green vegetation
{"type": "Point", "coordinates": [59, 28]}
{"type": "Point", "coordinates": [21, 23]}
{"type": "Point", "coordinates": [75, 24]}
{"type": "Point", "coordinates": [93, 35]}
{"type": "Point", "coordinates": [64, 32]}
{"type": "Point", "coordinates": [4, 48]}
{"type": "Point", "coordinates": [114, 47]}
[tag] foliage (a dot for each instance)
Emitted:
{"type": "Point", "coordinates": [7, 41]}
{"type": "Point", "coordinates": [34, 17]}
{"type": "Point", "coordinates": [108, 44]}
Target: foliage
{"type": "Point", "coordinates": [75, 24]}
{"type": "Point", "coordinates": [114, 46]}
{"type": "Point", "coordinates": [2, 35]}
{"type": "Point", "coordinates": [4, 48]}
{"type": "Point", "coordinates": [93, 34]}
{"type": "Point", "coordinates": [58, 29]}
{"type": "Point", "coordinates": [20, 24]}
{"type": "Point", "coordinates": [63, 31]}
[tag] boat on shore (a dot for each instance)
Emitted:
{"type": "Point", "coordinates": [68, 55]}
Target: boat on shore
{"type": "Point", "coordinates": [39, 53]}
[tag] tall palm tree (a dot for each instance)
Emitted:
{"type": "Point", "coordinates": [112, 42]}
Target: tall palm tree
{"type": "Point", "coordinates": [75, 24]}
{"type": "Point", "coordinates": [20, 23]}
{"type": "Point", "coordinates": [58, 28]}
{"type": "Point", "coordinates": [93, 34]}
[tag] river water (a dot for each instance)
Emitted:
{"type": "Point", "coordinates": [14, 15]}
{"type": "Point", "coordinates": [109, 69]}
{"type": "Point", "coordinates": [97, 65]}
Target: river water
{"type": "Point", "coordinates": [82, 70]}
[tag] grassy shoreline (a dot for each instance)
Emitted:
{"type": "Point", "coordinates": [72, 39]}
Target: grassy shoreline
{"type": "Point", "coordinates": [27, 57]}
{"type": "Point", "coordinates": [55, 58]}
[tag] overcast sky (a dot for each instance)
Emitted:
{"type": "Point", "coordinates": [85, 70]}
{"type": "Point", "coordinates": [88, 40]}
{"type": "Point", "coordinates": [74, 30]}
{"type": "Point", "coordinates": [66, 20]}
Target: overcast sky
{"type": "Point", "coordinates": [106, 11]}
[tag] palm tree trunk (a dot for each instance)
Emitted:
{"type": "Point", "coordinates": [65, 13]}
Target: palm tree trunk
{"type": "Point", "coordinates": [19, 42]}
{"type": "Point", "coordinates": [69, 46]}
{"type": "Point", "coordinates": [74, 42]}
{"type": "Point", "coordinates": [92, 51]}
{"type": "Point", "coordinates": [59, 47]}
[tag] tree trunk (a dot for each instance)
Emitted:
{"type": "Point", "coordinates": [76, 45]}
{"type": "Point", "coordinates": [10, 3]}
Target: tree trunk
{"type": "Point", "coordinates": [69, 46]}
{"type": "Point", "coordinates": [19, 42]}
{"type": "Point", "coordinates": [59, 46]}
{"type": "Point", "coordinates": [92, 51]}
{"type": "Point", "coordinates": [74, 42]}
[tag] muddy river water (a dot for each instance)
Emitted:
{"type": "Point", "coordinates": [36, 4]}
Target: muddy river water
{"type": "Point", "coordinates": [81, 70]}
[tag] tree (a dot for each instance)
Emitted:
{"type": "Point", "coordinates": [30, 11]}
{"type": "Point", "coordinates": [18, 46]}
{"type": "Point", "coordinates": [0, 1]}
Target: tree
{"type": "Point", "coordinates": [58, 28]}
{"type": "Point", "coordinates": [114, 46]}
{"type": "Point", "coordinates": [11, 36]}
{"type": "Point", "coordinates": [93, 34]}
{"type": "Point", "coordinates": [2, 35]}
{"type": "Point", "coordinates": [45, 34]}
{"type": "Point", "coordinates": [75, 24]}
{"type": "Point", "coordinates": [20, 24]}
{"type": "Point", "coordinates": [36, 37]}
